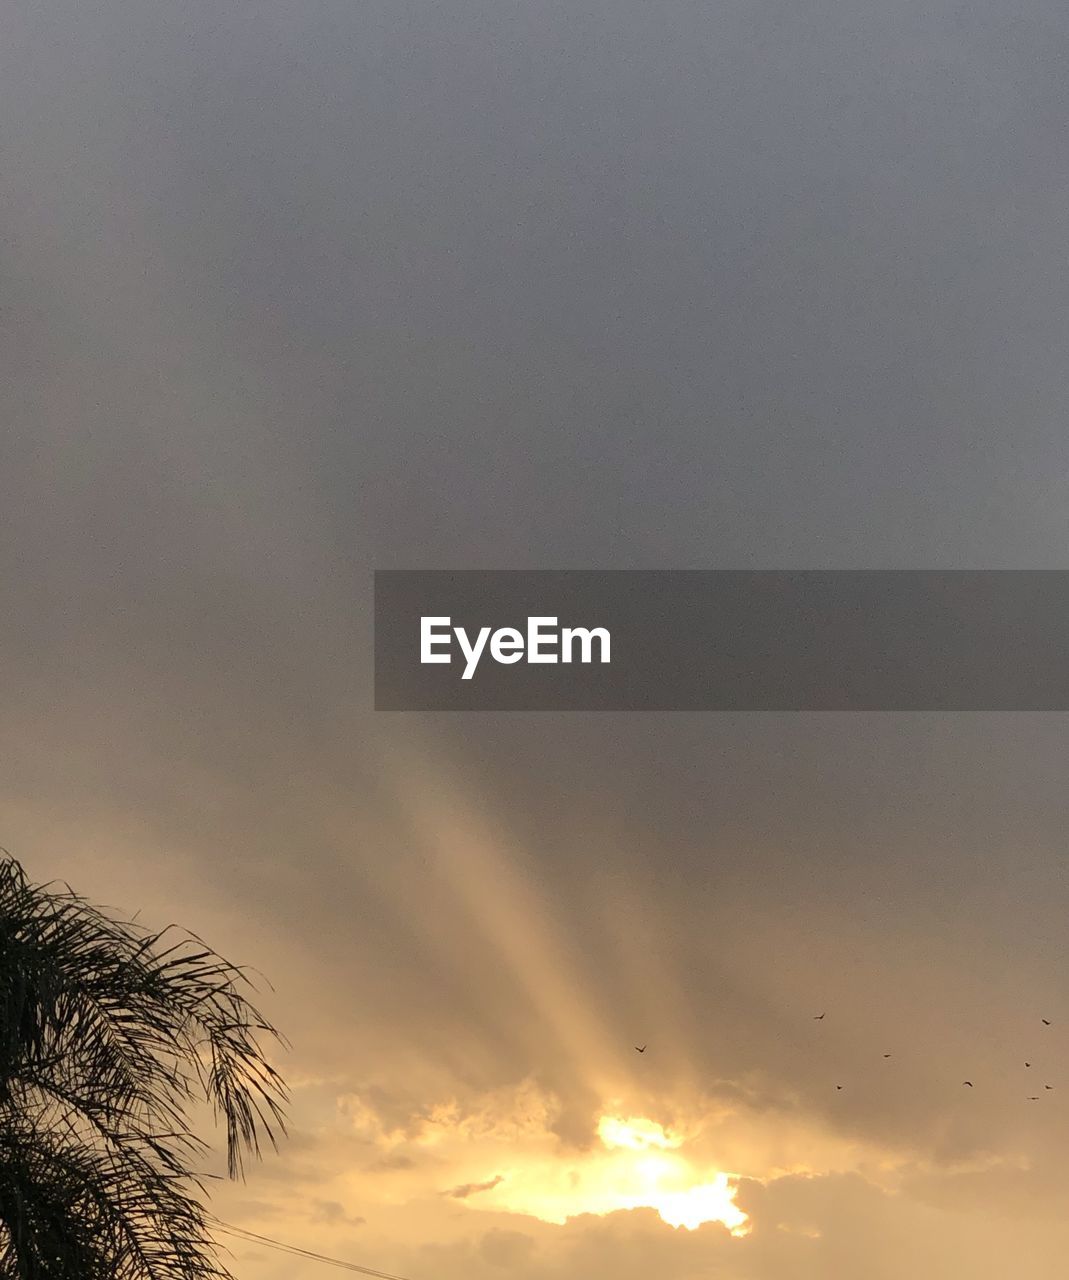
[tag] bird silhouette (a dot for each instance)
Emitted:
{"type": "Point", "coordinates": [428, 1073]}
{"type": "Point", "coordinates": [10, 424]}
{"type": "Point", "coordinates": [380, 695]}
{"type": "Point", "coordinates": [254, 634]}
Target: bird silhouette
{"type": "Point", "coordinates": [1048, 1086]}
{"type": "Point", "coordinates": [886, 1055]}
{"type": "Point", "coordinates": [818, 1017]}
{"type": "Point", "coordinates": [838, 1086]}
{"type": "Point", "coordinates": [968, 1082]}
{"type": "Point", "coordinates": [638, 1050]}
{"type": "Point", "coordinates": [1034, 1098]}
{"type": "Point", "coordinates": [1027, 1064]}
{"type": "Point", "coordinates": [1045, 1021]}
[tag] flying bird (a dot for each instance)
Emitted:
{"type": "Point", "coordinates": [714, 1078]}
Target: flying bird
{"type": "Point", "coordinates": [968, 1082]}
{"type": "Point", "coordinates": [640, 1050]}
{"type": "Point", "coordinates": [1034, 1098]}
{"type": "Point", "coordinates": [818, 1017]}
{"type": "Point", "coordinates": [1027, 1064]}
{"type": "Point", "coordinates": [838, 1086]}
{"type": "Point", "coordinates": [1045, 1021]}
{"type": "Point", "coordinates": [1048, 1086]}
{"type": "Point", "coordinates": [886, 1055]}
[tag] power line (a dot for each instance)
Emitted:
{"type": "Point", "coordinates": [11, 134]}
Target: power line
{"type": "Point", "coordinates": [251, 1236]}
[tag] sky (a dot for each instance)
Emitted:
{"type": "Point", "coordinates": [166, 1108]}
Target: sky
{"type": "Point", "coordinates": [291, 292]}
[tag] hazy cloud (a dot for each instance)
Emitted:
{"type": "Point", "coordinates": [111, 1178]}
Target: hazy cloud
{"type": "Point", "coordinates": [295, 292]}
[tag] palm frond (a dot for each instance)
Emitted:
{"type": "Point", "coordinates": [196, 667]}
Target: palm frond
{"type": "Point", "coordinates": [109, 1035]}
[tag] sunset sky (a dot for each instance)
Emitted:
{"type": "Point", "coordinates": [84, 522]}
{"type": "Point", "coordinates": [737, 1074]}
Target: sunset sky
{"type": "Point", "coordinates": [294, 291]}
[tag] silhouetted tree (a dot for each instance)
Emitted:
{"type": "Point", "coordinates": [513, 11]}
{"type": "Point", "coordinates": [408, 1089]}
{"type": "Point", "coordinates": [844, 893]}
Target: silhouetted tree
{"type": "Point", "coordinates": [110, 1036]}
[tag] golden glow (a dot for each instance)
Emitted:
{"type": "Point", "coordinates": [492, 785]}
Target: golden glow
{"type": "Point", "coordinates": [483, 885]}
{"type": "Point", "coordinates": [635, 1134]}
{"type": "Point", "coordinates": [640, 1166]}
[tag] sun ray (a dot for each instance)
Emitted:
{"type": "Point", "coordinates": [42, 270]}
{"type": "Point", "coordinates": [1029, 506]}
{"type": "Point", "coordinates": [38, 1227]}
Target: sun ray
{"type": "Point", "coordinates": [481, 870]}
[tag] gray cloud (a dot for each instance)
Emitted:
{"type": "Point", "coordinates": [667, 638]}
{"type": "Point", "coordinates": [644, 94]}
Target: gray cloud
{"type": "Point", "coordinates": [334, 1214]}
{"type": "Point", "coordinates": [468, 1189]}
{"type": "Point", "coordinates": [292, 294]}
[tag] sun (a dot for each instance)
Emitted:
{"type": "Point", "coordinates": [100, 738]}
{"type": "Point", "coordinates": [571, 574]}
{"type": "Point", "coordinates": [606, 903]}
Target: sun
{"type": "Point", "coordinates": [662, 1178]}
{"type": "Point", "coordinates": [639, 1165]}
{"type": "Point", "coordinates": [709, 1202]}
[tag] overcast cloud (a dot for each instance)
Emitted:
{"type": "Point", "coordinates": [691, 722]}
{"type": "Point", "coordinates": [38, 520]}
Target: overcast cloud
{"type": "Point", "coordinates": [295, 291]}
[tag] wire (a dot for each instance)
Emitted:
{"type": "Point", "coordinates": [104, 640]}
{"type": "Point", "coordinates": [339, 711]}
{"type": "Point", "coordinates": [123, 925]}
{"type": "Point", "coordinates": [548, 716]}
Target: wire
{"type": "Point", "coordinates": [251, 1236]}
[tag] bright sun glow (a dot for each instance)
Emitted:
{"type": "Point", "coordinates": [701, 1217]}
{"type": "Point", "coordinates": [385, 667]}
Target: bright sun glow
{"type": "Point", "coordinates": [640, 1166]}
{"type": "Point", "coordinates": [635, 1134]}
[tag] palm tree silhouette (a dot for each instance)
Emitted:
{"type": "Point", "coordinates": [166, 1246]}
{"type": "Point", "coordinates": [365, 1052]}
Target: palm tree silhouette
{"type": "Point", "coordinates": [109, 1036]}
